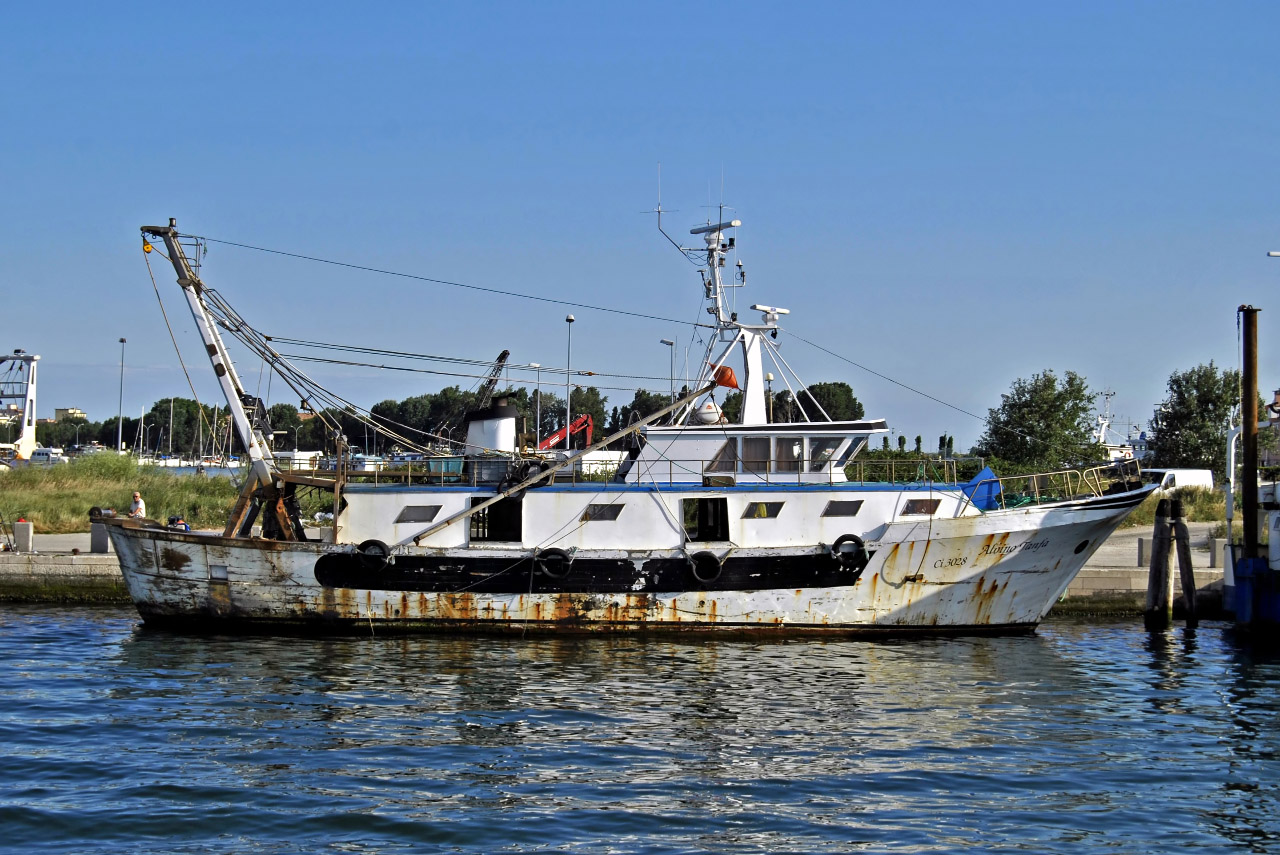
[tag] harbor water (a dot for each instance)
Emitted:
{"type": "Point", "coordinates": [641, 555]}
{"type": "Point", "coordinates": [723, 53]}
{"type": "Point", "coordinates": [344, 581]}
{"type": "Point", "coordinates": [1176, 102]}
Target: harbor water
{"type": "Point", "coordinates": [1084, 737]}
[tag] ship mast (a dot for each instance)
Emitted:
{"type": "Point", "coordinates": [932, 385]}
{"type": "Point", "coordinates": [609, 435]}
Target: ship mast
{"type": "Point", "coordinates": [754, 340]}
{"type": "Point", "coordinates": [260, 487]}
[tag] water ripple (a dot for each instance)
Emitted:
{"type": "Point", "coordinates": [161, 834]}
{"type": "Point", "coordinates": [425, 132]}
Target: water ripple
{"type": "Point", "coordinates": [1084, 738]}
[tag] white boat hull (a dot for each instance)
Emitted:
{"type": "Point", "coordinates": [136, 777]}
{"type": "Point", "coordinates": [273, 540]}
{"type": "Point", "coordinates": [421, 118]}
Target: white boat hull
{"type": "Point", "coordinates": [1000, 571]}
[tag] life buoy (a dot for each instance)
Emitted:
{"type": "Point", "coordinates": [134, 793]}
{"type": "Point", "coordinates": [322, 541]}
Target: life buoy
{"type": "Point", "coordinates": [706, 567]}
{"type": "Point", "coordinates": [851, 552]}
{"type": "Point", "coordinates": [553, 563]}
{"type": "Point", "coordinates": [374, 555]}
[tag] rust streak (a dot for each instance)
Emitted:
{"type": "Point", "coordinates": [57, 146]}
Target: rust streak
{"type": "Point", "coordinates": [173, 560]}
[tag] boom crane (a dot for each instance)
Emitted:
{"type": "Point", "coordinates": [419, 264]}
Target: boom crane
{"type": "Point", "coordinates": [491, 383]}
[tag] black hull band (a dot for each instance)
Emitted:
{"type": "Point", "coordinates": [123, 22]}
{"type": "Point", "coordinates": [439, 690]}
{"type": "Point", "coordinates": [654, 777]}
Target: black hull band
{"type": "Point", "coordinates": [484, 575]}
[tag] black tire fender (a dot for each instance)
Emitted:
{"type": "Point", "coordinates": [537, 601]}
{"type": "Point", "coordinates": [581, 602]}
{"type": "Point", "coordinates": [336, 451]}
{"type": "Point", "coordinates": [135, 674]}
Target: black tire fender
{"type": "Point", "coordinates": [374, 555]}
{"type": "Point", "coordinates": [553, 563]}
{"type": "Point", "coordinates": [705, 566]}
{"type": "Point", "coordinates": [851, 552]}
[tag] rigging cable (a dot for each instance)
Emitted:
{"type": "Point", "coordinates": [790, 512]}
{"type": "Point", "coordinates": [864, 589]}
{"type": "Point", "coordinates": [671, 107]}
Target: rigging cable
{"type": "Point", "coordinates": [174, 339]}
{"type": "Point", "coordinates": [445, 282]}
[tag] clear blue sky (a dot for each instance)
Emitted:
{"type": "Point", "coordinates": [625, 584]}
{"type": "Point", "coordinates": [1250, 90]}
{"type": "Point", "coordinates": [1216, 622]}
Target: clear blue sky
{"type": "Point", "coordinates": [954, 195]}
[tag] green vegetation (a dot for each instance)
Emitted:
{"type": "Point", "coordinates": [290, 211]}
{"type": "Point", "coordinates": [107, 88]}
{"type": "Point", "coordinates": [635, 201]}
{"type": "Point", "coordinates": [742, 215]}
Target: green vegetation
{"type": "Point", "coordinates": [1043, 424]}
{"type": "Point", "coordinates": [1189, 429]}
{"type": "Point", "coordinates": [57, 499]}
{"type": "Point", "coordinates": [1198, 505]}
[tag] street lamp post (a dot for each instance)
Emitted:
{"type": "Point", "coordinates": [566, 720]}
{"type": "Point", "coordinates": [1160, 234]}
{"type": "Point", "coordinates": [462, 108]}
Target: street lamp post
{"type": "Point", "coordinates": [768, 379]}
{"type": "Point", "coordinates": [295, 437]}
{"type": "Point", "coordinates": [78, 437]}
{"type": "Point", "coordinates": [671, 346]}
{"type": "Point", "coordinates": [120, 414]}
{"type": "Point", "coordinates": [537, 399]}
{"type": "Point", "coordinates": [568, 389]}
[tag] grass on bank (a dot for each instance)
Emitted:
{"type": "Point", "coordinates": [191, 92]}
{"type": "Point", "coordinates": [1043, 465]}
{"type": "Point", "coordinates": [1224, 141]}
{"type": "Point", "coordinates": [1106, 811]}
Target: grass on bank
{"type": "Point", "coordinates": [57, 499]}
{"type": "Point", "coordinates": [1198, 505]}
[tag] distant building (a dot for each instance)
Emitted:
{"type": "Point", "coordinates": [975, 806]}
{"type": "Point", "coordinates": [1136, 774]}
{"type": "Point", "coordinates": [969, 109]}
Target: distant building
{"type": "Point", "coordinates": [69, 413]}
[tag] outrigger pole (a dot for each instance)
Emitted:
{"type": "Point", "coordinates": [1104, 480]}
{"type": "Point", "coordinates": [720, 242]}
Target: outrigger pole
{"type": "Point", "coordinates": [263, 472]}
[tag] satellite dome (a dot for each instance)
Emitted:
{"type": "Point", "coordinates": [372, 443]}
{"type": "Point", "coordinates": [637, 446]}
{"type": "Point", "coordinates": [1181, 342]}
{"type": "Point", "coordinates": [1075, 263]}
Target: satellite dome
{"type": "Point", "coordinates": [709, 414]}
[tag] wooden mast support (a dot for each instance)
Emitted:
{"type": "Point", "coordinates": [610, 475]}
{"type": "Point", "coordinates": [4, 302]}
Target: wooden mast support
{"type": "Point", "coordinates": [547, 473]}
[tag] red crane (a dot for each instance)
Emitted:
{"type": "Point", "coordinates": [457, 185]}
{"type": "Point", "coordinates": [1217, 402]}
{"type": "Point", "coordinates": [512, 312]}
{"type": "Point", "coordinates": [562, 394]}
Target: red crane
{"type": "Point", "coordinates": [580, 424]}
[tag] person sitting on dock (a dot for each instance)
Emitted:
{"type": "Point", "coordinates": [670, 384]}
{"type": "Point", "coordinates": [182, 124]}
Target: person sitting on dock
{"type": "Point", "coordinates": [139, 507]}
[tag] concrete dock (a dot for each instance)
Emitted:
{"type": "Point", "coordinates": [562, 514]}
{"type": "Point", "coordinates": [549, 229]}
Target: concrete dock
{"type": "Point", "coordinates": [61, 569]}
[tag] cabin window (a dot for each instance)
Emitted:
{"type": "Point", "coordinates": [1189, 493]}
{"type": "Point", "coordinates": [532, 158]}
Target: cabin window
{"type": "Point", "coordinates": [601, 513]}
{"type": "Point", "coordinates": [762, 510]}
{"type": "Point", "coordinates": [820, 451]}
{"type": "Point", "coordinates": [418, 513]}
{"type": "Point", "coordinates": [789, 451]}
{"type": "Point", "coordinates": [726, 459]}
{"type": "Point", "coordinates": [498, 522]}
{"type": "Point", "coordinates": [755, 454]}
{"type": "Point", "coordinates": [921, 507]}
{"type": "Point", "coordinates": [854, 448]}
{"type": "Point", "coordinates": [218, 572]}
{"type": "Point", "coordinates": [842, 508]}
{"type": "Point", "coordinates": [706, 519]}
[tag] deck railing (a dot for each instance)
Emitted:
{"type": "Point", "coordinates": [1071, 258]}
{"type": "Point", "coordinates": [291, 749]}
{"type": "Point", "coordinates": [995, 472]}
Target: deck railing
{"type": "Point", "coordinates": [1008, 492]}
{"type": "Point", "coordinates": [1045, 488]}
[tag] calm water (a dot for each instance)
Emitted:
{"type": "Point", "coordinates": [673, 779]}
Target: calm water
{"type": "Point", "coordinates": [1083, 738]}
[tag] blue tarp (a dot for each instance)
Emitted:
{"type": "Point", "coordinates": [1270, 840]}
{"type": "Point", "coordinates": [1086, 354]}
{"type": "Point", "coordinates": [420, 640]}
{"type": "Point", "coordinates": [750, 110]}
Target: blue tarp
{"type": "Point", "coordinates": [985, 496]}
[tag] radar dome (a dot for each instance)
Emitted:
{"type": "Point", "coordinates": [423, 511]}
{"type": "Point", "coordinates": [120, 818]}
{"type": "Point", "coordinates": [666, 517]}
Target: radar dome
{"type": "Point", "coordinates": [709, 414]}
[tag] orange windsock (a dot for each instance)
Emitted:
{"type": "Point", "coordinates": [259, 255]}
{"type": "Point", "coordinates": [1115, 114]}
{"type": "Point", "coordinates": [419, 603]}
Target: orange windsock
{"type": "Point", "coordinates": [725, 377]}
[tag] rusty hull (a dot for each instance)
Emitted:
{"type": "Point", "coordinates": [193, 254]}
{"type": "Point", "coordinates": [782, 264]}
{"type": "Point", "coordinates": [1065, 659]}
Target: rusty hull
{"type": "Point", "coordinates": [955, 575]}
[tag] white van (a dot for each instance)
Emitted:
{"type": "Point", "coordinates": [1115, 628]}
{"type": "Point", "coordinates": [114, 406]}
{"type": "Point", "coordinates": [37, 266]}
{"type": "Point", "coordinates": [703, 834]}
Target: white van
{"type": "Point", "coordinates": [47, 457]}
{"type": "Point", "coordinates": [1173, 479]}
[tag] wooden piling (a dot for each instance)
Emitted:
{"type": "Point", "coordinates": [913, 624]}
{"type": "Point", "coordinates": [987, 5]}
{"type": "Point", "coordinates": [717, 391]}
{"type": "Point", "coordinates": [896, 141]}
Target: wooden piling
{"type": "Point", "coordinates": [1158, 614]}
{"type": "Point", "coordinates": [1182, 542]}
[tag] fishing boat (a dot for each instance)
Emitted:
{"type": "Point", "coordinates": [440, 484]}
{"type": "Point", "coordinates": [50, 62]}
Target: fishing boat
{"type": "Point", "coordinates": [706, 525]}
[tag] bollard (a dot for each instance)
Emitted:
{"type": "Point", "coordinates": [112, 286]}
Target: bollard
{"type": "Point", "coordinates": [1143, 557]}
{"type": "Point", "coordinates": [23, 537]}
{"type": "Point", "coordinates": [1158, 614]}
{"type": "Point", "coordinates": [98, 540]}
{"type": "Point", "coordinates": [1182, 542]}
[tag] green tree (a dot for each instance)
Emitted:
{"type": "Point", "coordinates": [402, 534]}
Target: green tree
{"type": "Point", "coordinates": [731, 407]}
{"type": "Point", "coordinates": [642, 404]}
{"type": "Point", "coordinates": [552, 413]}
{"type": "Point", "coordinates": [588, 400]}
{"type": "Point", "coordinates": [1042, 423]}
{"type": "Point", "coordinates": [835, 398]}
{"type": "Point", "coordinates": [1189, 429]}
